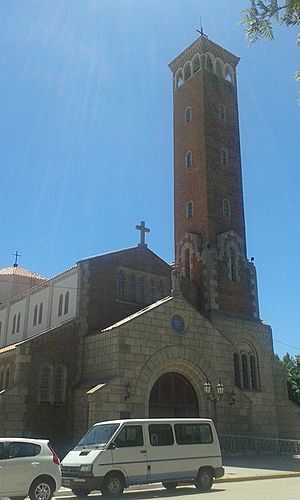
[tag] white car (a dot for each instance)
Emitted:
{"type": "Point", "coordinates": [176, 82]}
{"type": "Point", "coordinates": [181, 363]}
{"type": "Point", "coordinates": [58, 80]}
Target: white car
{"type": "Point", "coordinates": [28, 467]}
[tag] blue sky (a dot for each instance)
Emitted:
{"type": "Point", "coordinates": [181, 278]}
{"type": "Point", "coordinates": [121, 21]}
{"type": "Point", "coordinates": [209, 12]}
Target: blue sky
{"type": "Point", "coordinates": [87, 142]}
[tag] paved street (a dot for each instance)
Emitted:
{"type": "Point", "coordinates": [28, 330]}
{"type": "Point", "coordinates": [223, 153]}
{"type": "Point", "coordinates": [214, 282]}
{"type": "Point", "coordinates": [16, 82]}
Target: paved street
{"type": "Point", "coordinates": [273, 489]}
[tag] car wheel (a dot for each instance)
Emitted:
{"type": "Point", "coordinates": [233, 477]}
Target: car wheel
{"type": "Point", "coordinates": [41, 489]}
{"type": "Point", "coordinates": [170, 485]}
{"type": "Point", "coordinates": [81, 492]}
{"type": "Point", "coordinates": [112, 486]}
{"type": "Point", "coordinates": [204, 480]}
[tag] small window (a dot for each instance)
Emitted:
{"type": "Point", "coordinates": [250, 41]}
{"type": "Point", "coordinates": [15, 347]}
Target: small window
{"type": "Point", "coordinates": [67, 300]}
{"type": "Point", "coordinates": [224, 156]}
{"type": "Point", "coordinates": [35, 315]}
{"type": "Point", "coordinates": [188, 159]}
{"type": "Point", "coordinates": [187, 71]}
{"type": "Point", "coordinates": [130, 436]}
{"type": "Point", "coordinates": [18, 322]}
{"type": "Point", "coordinates": [226, 208]}
{"type": "Point", "coordinates": [188, 115]}
{"type": "Point", "coordinates": [161, 435]}
{"type": "Point", "coordinates": [40, 313]}
{"type": "Point", "coordinates": [60, 304]}
{"type": "Point", "coordinates": [189, 210]}
{"type": "Point", "coordinates": [196, 64]}
{"type": "Point", "coordinates": [193, 434]}
{"type": "Point", "coordinates": [222, 112]}
{"type": "Point", "coordinates": [14, 324]}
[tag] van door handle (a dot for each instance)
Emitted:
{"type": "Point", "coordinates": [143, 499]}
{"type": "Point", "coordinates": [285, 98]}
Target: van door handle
{"type": "Point", "coordinates": [35, 463]}
{"type": "Point", "coordinates": [143, 451]}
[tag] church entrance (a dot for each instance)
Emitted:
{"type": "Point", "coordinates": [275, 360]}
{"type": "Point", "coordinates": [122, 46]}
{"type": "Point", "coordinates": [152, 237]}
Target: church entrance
{"type": "Point", "coordinates": [173, 396]}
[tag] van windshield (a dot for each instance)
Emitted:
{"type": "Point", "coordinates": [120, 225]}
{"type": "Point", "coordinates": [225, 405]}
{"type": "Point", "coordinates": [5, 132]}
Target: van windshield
{"type": "Point", "coordinates": [98, 436]}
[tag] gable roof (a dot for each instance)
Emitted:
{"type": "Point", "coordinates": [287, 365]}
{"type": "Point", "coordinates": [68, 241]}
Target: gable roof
{"type": "Point", "coordinates": [20, 271]}
{"type": "Point", "coordinates": [124, 251]}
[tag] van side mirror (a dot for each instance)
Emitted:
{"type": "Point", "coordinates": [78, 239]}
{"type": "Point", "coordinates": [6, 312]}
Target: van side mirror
{"type": "Point", "coordinates": [112, 446]}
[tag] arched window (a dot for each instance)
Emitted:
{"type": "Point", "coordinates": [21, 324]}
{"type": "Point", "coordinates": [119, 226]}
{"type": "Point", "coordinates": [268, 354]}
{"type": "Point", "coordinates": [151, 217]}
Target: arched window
{"type": "Point", "coordinates": [209, 63]}
{"type": "Point", "coordinates": [237, 370]}
{"type": "Point", "coordinates": [67, 300]}
{"type": "Point", "coordinates": [188, 159]}
{"type": "Point", "coordinates": [60, 304]}
{"type": "Point", "coordinates": [253, 371]}
{"type": "Point", "coordinates": [222, 112]}
{"type": "Point", "coordinates": [59, 384]}
{"type": "Point", "coordinates": [142, 289]}
{"type": "Point", "coordinates": [122, 285]}
{"type": "Point", "coordinates": [14, 324]}
{"type": "Point", "coordinates": [35, 314]}
{"type": "Point", "coordinates": [229, 74]}
{"type": "Point", "coordinates": [226, 208]}
{"type": "Point", "coordinates": [45, 384]}
{"type": "Point", "coordinates": [41, 313]}
{"type": "Point", "coordinates": [188, 115]}
{"type": "Point", "coordinates": [223, 156]}
{"type": "Point", "coordinates": [7, 377]}
{"type": "Point", "coordinates": [18, 322]}
{"type": "Point", "coordinates": [187, 264]}
{"type": "Point", "coordinates": [196, 64]}
{"type": "Point", "coordinates": [178, 79]}
{"type": "Point", "coordinates": [219, 68]}
{"type": "Point", "coordinates": [189, 210]}
{"type": "Point", "coordinates": [233, 264]}
{"type": "Point", "coordinates": [245, 371]}
{"type": "Point", "coordinates": [187, 71]}
{"type": "Point", "coordinates": [132, 287]}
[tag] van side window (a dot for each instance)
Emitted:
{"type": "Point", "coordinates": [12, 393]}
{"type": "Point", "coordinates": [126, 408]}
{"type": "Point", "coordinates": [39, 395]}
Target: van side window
{"type": "Point", "coordinates": [2, 454]}
{"type": "Point", "coordinates": [161, 435]}
{"type": "Point", "coordinates": [130, 435]}
{"type": "Point", "coordinates": [193, 433]}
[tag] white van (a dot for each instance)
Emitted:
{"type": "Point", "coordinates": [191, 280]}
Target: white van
{"type": "Point", "coordinates": [120, 453]}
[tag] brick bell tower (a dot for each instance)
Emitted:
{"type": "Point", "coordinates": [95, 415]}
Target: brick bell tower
{"type": "Point", "coordinates": [210, 243]}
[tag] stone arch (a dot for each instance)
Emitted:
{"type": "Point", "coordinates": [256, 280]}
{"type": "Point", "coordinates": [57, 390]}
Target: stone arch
{"type": "Point", "coordinates": [219, 67]}
{"type": "Point", "coordinates": [187, 71]}
{"type": "Point", "coordinates": [196, 65]}
{"type": "Point", "coordinates": [178, 78]}
{"type": "Point", "coordinates": [210, 62]}
{"type": "Point", "coordinates": [229, 73]}
{"type": "Point", "coordinates": [182, 360]}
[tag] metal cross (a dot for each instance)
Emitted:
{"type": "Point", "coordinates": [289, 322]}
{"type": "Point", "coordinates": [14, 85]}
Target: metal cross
{"type": "Point", "coordinates": [16, 260]}
{"type": "Point", "coordinates": [143, 229]}
{"type": "Point", "coordinates": [201, 30]}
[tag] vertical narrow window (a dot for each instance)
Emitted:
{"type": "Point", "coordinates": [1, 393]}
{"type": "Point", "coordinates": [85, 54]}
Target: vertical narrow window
{"type": "Point", "coordinates": [226, 208]}
{"type": "Point", "coordinates": [209, 63]}
{"type": "Point", "coordinates": [18, 322]}
{"type": "Point", "coordinates": [142, 289]}
{"type": "Point", "coordinates": [196, 64]}
{"type": "Point", "coordinates": [122, 285]}
{"type": "Point", "coordinates": [223, 156]}
{"type": "Point", "coordinates": [188, 115]}
{"type": "Point", "coordinates": [45, 384]}
{"type": "Point", "coordinates": [14, 324]}
{"type": "Point", "coordinates": [233, 265]}
{"type": "Point", "coordinates": [7, 377]}
{"type": "Point", "coordinates": [59, 384]}
{"type": "Point", "coordinates": [188, 159]}
{"type": "Point", "coordinates": [245, 371]}
{"type": "Point", "coordinates": [187, 71]}
{"type": "Point", "coordinates": [41, 313]}
{"type": "Point", "coordinates": [237, 371]}
{"type": "Point", "coordinates": [178, 79]}
{"type": "Point", "coordinates": [187, 264]}
{"type": "Point", "coordinates": [189, 210]}
{"type": "Point", "coordinates": [222, 112]}
{"type": "Point", "coordinates": [67, 300]}
{"type": "Point", "coordinates": [132, 287]}
{"type": "Point", "coordinates": [253, 372]}
{"type": "Point", "coordinates": [35, 314]}
{"type": "Point", "coordinates": [60, 304]}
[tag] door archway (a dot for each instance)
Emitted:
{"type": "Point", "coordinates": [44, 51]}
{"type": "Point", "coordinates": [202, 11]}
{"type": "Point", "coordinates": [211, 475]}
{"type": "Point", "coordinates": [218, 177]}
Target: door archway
{"type": "Point", "coordinates": [173, 396]}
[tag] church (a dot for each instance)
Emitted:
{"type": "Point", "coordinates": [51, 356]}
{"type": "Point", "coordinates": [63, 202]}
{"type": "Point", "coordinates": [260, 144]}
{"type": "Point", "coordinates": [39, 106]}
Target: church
{"type": "Point", "coordinates": [125, 334]}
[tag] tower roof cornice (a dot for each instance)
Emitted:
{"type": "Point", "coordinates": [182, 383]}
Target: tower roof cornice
{"type": "Point", "coordinates": [200, 46]}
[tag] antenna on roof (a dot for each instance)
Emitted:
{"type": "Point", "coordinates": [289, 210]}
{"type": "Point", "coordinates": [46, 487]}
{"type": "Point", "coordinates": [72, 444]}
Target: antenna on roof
{"type": "Point", "coordinates": [201, 29]}
{"type": "Point", "coordinates": [16, 255]}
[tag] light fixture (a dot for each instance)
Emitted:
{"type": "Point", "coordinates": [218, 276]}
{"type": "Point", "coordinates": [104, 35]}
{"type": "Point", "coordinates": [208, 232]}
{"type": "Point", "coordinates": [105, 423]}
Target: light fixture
{"type": "Point", "coordinates": [207, 387]}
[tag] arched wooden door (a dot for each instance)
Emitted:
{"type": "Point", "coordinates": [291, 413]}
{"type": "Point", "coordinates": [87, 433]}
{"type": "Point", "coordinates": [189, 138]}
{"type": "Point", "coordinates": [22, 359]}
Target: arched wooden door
{"type": "Point", "coordinates": [173, 396]}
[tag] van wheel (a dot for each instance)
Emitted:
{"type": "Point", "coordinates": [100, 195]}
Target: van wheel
{"type": "Point", "coordinates": [204, 480]}
{"type": "Point", "coordinates": [41, 489]}
{"type": "Point", "coordinates": [170, 486]}
{"type": "Point", "coordinates": [81, 492]}
{"type": "Point", "coordinates": [113, 485]}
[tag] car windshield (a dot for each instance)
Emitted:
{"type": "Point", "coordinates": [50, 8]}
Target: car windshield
{"type": "Point", "coordinates": [98, 436]}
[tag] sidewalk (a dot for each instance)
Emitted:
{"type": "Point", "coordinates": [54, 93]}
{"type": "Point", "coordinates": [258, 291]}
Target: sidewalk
{"type": "Point", "coordinates": [242, 469]}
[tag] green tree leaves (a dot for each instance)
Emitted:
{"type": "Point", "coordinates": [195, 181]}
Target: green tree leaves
{"type": "Point", "coordinates": [291, 366]}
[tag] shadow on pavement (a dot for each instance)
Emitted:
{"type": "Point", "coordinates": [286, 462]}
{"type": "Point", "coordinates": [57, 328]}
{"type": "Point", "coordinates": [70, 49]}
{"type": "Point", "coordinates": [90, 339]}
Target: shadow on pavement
{"type": "Point", "coordinates": [289, 463]}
